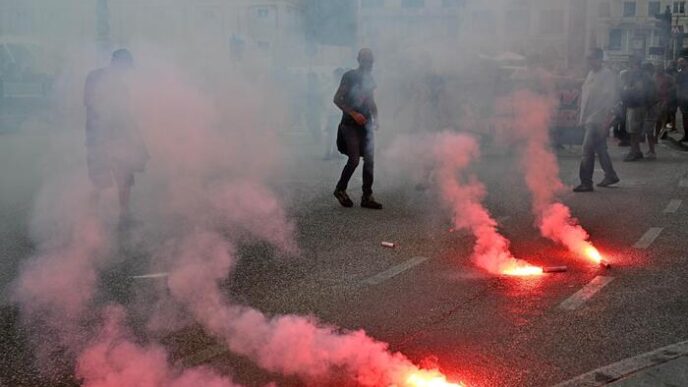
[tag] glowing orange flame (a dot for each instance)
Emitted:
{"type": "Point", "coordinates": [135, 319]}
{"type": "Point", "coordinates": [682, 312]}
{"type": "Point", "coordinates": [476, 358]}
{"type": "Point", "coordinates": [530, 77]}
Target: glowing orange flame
{"type": "Point", "coordinates": [521, 269]}
{"type": "Point", "coordinates": [591, 252]}
{"type": "Point", "coordinates": [425, 378]}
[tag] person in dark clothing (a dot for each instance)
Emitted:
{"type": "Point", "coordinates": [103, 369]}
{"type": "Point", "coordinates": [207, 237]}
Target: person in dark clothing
{"type": "Point", "coordinates": [355, 137]}
{"type": "Point", "coordinates": [114, 147]}
{"type": "Point", "coordinates": [682, 93]}
{"type": "Point", "coordinates": [333, 118]}
{"type": "Point", "coordinates": [637, 90]}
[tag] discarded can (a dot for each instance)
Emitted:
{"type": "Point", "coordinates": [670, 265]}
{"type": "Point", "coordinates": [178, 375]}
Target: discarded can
{"type": "Point", "coordinates": [555, 269]}
{"type": "Point", "coordinates": [605, 264]}
{"type": "Point", "coordinates": [388, 245]}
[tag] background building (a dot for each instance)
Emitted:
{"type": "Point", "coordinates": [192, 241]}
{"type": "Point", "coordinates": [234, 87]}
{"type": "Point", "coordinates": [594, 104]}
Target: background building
{"type": "Point", "coordinates": [623, 28]}
{"type": "Point", "coordinates": [552, 30]}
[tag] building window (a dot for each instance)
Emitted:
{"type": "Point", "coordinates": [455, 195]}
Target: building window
{"type": "Point", "coordinates": [654, 8]}
{"type": "Point", "coordinates": [552, 21]}
{"type": "Point", "coordinates": [263, 13]}
{"type": "Point", "coordinates": [629, 9]}
{"type": "Point", "coordinates": [372, 3]}
{"type": "Point", "coordinates": [679, 7]}
{"type": "Point", "coordinates": [413, 3]}
{"type": "Point", "coordinates": [615, 39]}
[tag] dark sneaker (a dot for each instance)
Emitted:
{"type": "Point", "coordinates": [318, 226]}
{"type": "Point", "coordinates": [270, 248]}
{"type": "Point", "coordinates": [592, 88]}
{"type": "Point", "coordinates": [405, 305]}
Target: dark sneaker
{"type": "Point", "coordinates": [606, 182]}
{"type": "Point", "coordinates": [632, 156]}
{"type": "Point", "coordinates": [369, 202]}
{"type": "Point", "coordinates": [343, 198]}
{"type": "Point", "coordinates": [583, 188]}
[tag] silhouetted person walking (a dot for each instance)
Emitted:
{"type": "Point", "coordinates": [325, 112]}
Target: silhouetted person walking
{"type": "Point", "coordinates": [355, 137]}
{"type": "Point", "coordinates": [114, 147]}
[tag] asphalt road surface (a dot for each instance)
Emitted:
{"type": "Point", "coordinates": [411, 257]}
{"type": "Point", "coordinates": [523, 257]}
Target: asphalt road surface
{"type": "Point", "coordinates": [425, 297]}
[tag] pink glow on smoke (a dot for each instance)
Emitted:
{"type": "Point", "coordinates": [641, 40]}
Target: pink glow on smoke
{"type": "Point", "coordinates": [290, 345]}
{"type": "Point", "coordinates": [531, 115]}
{"type": "Point", "coordinates": [464, 194]}
{"type": "Point", "coordinates": [114, 360]}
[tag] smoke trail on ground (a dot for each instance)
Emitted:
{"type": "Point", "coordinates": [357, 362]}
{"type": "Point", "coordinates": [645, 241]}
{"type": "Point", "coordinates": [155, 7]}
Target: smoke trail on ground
{"type": "Point", "coordinates": [445, 159]}
{"type": "Point", "coordinates": [113, 359]}
{"type": "Point", "coordinates": [244, 211]}
{"type": "Point", "coordinates": [57, 291]}
{"type": "Point", "coordinates": [530, 115]}
{"type": "Point", "coordinates": [464, 194]}
{"type": "Point", "coordinates": [210, 201]}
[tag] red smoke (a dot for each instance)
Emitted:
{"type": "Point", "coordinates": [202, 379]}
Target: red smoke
{"type": "Point", "coordinates": [529, 117]}
{"type": "Point", "coordinates": [208, 202]}
{"type": "Point", "coordinates": [289, 345]}
{"type": "Point", "coordinates": [113, 359]}
{"type": "Point", "coordinates": [463, 193]}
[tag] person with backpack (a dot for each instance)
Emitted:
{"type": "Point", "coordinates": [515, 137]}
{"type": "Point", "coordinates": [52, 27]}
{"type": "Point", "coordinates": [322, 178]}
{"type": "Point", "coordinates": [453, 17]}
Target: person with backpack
{"type": "Point", "coordinates": [637, 90]}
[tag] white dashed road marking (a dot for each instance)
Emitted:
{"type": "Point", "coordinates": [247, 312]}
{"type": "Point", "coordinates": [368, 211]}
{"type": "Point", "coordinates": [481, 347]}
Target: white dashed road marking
{"type": "Point", "coordinates": [646, 240]}
{"type": "Point", "coordinates": [394, 271]}
{"type": "Point", "coordinates": [575, 301]}
{"type": "Point", "coordinates": [151, 276]}
{"type": "Point", "coordinates": [673, 206]}
{"type": "Point", "coordinates": [613, 372]}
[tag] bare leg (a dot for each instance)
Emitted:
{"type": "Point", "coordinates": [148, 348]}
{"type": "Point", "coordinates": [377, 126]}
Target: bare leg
{"type": "Point", "coordinates": [651, 141]}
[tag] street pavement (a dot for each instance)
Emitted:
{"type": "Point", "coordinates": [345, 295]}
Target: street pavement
{"type": "Point", "coordinates": [424, 297]}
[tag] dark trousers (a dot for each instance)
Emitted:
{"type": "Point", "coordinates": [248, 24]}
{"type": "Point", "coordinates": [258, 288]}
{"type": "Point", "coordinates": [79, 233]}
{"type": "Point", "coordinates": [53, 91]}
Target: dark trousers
{"type": "Point", "coordinates": [359, 143]}
{"type": "Point", "coordinates": [595, 142]}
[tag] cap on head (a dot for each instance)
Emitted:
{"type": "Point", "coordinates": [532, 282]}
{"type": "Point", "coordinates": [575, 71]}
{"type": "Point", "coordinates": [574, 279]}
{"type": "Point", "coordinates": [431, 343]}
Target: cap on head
{"type": "Point", "coordinates": [122, 57]}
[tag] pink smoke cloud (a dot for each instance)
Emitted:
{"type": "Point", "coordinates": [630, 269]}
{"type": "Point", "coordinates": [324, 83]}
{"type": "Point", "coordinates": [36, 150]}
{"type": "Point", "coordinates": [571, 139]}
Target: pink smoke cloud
{"type": "Point", "coordinates": [463, 194]}
{"type": "Point", "coordinates": [529, 116]}
{"type": "Point", "coordinates": [113, 359]}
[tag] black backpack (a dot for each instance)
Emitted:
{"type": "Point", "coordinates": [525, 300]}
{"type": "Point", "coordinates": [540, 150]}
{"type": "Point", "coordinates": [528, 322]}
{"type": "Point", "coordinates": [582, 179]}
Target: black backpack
{"type": "Point", "coordinates": [638, 90]}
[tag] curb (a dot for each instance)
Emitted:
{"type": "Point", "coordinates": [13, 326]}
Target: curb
{"type": "Point", "coordinates": [619, 370]}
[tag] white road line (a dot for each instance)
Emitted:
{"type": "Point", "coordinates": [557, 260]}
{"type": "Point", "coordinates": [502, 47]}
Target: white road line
{"type": "Point", "coordinates": [646, 240]}
{"type": "Point", "coordinates": [613, 372]}
{"type": "Point", "coordinates": [151, 276]}
{"type": "Point", "coordinates": [683, 183]}
{"type": "Point", "coordinates": [394, 271]}
{"type": "Point", "coordinates": [673, 206]}
{"type": "Point", "coordinates": [575, 301]}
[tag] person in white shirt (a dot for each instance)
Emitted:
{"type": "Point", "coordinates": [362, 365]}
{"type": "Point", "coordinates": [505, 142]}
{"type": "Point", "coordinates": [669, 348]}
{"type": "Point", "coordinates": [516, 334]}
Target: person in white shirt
{"type": "Point", "coordinates": [599, 95]}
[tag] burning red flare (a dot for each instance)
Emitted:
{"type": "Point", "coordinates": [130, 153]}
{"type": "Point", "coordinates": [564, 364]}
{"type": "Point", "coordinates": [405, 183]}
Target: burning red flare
{"type": "Point", "coordinates": [591, 252]}
{"type": "Point", "coordinates": [518, 268]}
{"type": "Point", "coordinates": [428, 378]}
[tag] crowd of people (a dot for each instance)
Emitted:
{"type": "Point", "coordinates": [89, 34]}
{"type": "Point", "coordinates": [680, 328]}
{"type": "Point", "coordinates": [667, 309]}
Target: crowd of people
{"type": "Point", "coordinates": [640, 103]}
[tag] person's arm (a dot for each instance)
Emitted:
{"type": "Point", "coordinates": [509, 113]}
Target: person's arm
{"type": "Point", "coordinates": [373, 112]}
{"type": "Point", "coordinates": [340, 101]}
